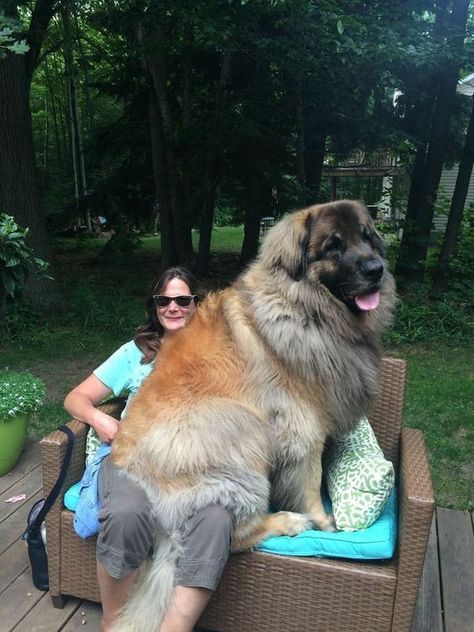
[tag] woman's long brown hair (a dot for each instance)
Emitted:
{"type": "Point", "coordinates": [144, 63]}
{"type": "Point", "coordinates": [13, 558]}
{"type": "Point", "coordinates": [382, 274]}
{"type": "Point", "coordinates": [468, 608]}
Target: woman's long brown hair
{"type": "Point", "coordinates": [148, 336]}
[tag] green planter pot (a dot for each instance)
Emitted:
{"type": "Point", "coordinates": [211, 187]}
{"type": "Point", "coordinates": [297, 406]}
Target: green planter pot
{"type": "Point", "coordinates": [12, 439]}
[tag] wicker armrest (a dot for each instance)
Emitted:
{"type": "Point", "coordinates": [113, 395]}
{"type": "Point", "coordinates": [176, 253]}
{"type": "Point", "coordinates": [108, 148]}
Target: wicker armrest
{"type": "Point", "coordinates": [416, 506]}
{"type": "Point", "coordinates": [53, 449]}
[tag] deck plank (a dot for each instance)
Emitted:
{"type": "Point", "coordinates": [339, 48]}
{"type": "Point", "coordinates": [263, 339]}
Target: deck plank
{"type": "Point", "coordinates": [17, 600]}
{"type": "Point", "coordinates": [30, 484]}
{"type": "Point", "coordinates": [12, 564]}
{"type": "Point", "coordinates": [428, 614]}
{"type": "Point", "coordinates": [44, 618]}
{"type": "Point", "coordinates": [29, 459]}
{"type": "Point", "coordinates": [12, 529]}
{"type": "Point", "coordinates": [456, 552]}
{"type": "Point", "coordinates": [90, 613]}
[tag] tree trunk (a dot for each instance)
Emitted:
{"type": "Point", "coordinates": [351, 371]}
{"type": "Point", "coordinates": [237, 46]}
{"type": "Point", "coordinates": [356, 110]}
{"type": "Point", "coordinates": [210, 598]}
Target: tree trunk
{"type": "Point", "coordinates": [456, 210]}
{"type": "Point", "coordinates": [77, 151]}
{"type": "Point", "coordinates": [169, 256]}
{"type": "Point", "coordinates": [300, 143]}
{"type": "Point", "coordinates": [252, 220]}
{"type": "Point", "coordinates": [205, 226]}
{"type": "Point", "coordinates": [314, 163]}
{"type": "Point", "coordinates": [211, 176]}
{"type": "Point", "coordinates": [182, 228]}
{"type": "Point", "coordinates": [19, 194]}
{"type": "Point", "coordinates": [419, 216]}
{"type": "Point", "coordinates": [54, 113]}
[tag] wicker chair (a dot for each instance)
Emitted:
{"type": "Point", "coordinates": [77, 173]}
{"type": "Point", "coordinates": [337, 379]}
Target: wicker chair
{"type": "Point", "coordinates": [261, 592]}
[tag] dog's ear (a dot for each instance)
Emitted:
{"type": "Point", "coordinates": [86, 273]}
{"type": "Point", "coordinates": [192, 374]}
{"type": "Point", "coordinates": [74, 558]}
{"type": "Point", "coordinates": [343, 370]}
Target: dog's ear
{"type": "Point", "coordinates": [298, 271]}
{"type": "Point", "coordinates": [286, 244]}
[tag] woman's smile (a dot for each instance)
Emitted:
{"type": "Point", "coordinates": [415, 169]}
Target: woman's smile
{"type": "Point", "coordinates": [173, 317]}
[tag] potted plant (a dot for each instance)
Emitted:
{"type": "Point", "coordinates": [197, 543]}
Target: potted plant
{"type": "Point", "coordinates": [21, 394]}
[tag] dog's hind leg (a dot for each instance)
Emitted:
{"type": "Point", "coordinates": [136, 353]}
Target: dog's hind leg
{"type": "Point", "coordinates": [266, 525]}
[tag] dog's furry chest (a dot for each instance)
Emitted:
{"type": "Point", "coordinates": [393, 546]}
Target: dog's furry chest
{"type": "Point", "coordinates": [296, 424]}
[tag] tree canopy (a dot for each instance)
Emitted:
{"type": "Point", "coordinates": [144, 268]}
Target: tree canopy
{"type": "Point", "coordinates": [167, 115]}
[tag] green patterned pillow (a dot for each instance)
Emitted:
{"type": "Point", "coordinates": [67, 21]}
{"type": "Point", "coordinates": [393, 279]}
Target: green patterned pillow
{"type": "Point", "coordinates": [358, 477]}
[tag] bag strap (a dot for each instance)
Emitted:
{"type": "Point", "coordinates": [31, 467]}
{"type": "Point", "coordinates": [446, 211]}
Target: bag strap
{"type": "Point", "coordinates": [53, 494]}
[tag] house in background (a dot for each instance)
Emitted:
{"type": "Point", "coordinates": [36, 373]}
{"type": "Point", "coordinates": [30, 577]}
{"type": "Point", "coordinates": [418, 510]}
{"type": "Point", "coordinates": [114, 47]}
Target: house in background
{"type": "Point", "coordinates": [379, 174]}
{"type": "Point", "coordinates": [368, 176]}
{"type": "Point", "coordinates": [448, 176]}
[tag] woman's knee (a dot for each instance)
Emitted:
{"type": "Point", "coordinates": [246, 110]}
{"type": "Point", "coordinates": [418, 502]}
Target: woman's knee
{"type": "Point", "coordinates": [206, 548]}
{"type": "Point", "coordinates": [129, 528]}
{"type": "Point", "coordinates": [210, 528]}
{"type": "Point", "coordinates": [215, 517]}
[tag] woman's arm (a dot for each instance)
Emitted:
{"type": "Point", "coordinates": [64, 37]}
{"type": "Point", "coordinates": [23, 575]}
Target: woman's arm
{"type": "Point", "coordinates": [81, 403]}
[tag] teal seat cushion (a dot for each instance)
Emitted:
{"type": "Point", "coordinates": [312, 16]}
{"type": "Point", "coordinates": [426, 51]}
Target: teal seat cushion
{"type": "Point", "coordinates": [72, 496]}
{"type": "Point", "coordinates": [377, 542]}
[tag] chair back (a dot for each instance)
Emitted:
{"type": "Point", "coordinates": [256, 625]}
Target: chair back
{"type": "Point", "coordinates": [386, 416]}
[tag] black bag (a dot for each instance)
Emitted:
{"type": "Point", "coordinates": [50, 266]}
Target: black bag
{"type": "Point", "coordinates": [35, 533]}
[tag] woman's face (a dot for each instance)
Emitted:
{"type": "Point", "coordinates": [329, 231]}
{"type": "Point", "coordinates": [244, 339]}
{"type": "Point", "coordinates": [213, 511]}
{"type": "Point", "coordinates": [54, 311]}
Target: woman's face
{"type": "Point", "coordinates": [173, 317]}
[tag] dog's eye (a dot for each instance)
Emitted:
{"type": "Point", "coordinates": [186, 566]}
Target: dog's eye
{"type": "Point", "coordinates": [334, 243]}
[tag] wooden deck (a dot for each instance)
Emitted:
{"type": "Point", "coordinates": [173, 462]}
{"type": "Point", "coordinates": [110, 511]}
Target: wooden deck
{"type": "Point", "coordinates": [445, 602]}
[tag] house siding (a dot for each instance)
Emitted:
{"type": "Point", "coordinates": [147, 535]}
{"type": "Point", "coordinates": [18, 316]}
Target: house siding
{"type": "Point", "coordinates": [446, 190]}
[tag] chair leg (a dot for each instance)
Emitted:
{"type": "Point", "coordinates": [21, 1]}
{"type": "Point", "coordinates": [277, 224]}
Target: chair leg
{"type": "Point", "coordinates": [59, 601]}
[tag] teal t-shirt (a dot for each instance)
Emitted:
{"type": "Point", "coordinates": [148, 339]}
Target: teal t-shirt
{"type": "Point", "coordinates": [122, 373]}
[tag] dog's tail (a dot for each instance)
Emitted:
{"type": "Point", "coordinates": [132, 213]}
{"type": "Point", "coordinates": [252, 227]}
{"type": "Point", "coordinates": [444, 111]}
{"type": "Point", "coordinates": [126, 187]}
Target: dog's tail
{"type": "Point", "coordinates": [151, 595]}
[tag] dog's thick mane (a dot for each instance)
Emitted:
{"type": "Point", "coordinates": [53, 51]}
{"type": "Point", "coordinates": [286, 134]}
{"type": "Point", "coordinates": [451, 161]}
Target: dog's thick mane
{"type": "Point", "coordinates": [314, 337]}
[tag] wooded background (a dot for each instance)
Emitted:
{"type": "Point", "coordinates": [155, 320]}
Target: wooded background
{"type": "Point", "coordinates": [164, 116]}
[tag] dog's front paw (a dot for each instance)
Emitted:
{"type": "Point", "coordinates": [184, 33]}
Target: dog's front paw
{"type": "Point", "coordinates": [291, 523]}
{"type": "Point", "coordinates": [324, 522]}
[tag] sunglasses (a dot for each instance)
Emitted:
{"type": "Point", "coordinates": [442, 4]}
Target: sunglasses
{"type": "Point", "coordinates": [181, 301]}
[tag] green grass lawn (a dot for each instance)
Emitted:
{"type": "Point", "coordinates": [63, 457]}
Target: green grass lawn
{"type": "Point", "coordinates": [103, 303]}
{"type": "Point", "coordinates": [440, 401]}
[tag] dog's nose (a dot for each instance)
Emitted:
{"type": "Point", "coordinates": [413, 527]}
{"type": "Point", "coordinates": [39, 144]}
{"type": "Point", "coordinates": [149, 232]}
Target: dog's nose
{"type": "Point", "coordinates": [372, 269]}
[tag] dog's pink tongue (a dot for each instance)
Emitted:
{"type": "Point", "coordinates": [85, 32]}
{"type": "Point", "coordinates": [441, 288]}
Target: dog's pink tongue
{"type": "Point", "coordinates": [367, 302]}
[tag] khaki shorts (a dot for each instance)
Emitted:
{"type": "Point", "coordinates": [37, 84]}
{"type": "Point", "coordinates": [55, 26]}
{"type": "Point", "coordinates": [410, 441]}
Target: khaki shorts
{"type": "Point", "coordinates": [127, 533]}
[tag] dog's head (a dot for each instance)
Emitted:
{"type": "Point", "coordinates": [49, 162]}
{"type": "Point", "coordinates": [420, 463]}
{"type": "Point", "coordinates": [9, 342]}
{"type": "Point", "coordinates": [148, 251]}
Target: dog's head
{"type": "Point", "coordinates": [335, 245]}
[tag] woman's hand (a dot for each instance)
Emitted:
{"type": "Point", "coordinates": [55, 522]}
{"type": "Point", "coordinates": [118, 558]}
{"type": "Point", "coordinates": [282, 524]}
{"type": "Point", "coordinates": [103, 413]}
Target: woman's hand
{"type": "Point", "coordinates": [105, 426]}
{"type": "Point", "coordinates": [82, 404]}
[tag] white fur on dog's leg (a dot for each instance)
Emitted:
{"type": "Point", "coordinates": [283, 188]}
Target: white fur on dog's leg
{"type": "Point", "coordinates": [294, 523]}
{"type": "Point", "coordinates": [151, 594]}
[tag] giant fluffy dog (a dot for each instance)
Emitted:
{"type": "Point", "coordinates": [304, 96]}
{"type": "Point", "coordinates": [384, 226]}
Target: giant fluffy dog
{"type": "Point", "coordinates": [240, 403]}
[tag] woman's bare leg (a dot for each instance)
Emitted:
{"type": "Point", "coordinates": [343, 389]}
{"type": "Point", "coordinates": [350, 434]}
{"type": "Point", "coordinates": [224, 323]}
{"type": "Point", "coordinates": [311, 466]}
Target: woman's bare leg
{"type": "Point", "coordinates": [113, 594]}
{"type": "Point", "coordinates": [187, 605]}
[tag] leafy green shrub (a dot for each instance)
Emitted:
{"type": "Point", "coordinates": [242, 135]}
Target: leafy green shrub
{"type": "Point", "coordinates": [104, 309]}
{"type": "Point", "coordinates": [421, 320]}
{"type": "Point", "coordinates": [17, 260]}
{"type": "Point", "coordinates": [123, 243]}
{"type": "Point", "coordinates": [462, 264]}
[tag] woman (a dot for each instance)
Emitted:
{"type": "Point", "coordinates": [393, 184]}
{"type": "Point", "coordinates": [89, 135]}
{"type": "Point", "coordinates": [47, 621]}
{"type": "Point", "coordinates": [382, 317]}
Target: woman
{"type": "Point", "coordinates": [127, 529]}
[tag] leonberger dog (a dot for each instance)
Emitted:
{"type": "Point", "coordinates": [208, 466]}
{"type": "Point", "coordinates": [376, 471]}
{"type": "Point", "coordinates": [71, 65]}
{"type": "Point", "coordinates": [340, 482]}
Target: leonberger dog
{"type": "Point", "coordinates": [240, 403]}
